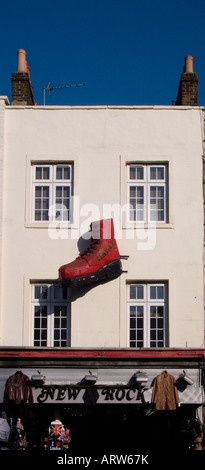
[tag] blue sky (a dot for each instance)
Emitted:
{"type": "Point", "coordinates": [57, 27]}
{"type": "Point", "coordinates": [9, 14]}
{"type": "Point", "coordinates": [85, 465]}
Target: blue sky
{"type": "Point", "coordinates": [127, 52]}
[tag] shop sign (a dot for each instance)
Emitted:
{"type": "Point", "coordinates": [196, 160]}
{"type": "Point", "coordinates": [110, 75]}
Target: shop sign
{"type": "Point", "coordinates": [89, 396]}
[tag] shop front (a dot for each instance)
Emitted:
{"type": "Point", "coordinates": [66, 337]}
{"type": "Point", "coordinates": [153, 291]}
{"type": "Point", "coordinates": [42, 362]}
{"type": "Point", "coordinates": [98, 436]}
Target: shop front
{"type": "Point", "coordinates": [103, 402]}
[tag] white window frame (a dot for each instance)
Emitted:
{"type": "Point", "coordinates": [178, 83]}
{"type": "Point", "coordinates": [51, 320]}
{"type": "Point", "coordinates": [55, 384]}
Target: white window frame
{"type": "Point", "coordinates": [146, 183]}
{"type": "Point", "coordinates": [54, 212]}
{"type": "Point", "coordinates": [51, 302]}
{"type": "Point", "coordinates": [146, 303]}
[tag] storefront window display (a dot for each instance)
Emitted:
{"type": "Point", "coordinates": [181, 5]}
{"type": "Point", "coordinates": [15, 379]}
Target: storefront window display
{"type": "Point", "coordinates": [59, 438]}
{"type": "Point", "coordinates": [107, 429]}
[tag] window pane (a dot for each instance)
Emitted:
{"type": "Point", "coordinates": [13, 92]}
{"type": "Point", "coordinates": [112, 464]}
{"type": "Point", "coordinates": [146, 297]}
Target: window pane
{"type": "Point", "coordinates": [46, 173]}
{"type": "Point", "coordinates": [156, 325]}
{"type": "Point", "coordinates": [65, 293]}
{"type": "Point", "coordinates": [57, 322]}
{"type": "Point", "coordinates": [140, 322]}
{"type": "Point", "coordinates": [38, 192]}
{"type": "Point", "coordinates": [156, 173]}
{"type": "Point", "coordinates": [132, 322]}
{"type": "Point", "coordinates": [57, 292]}
{"type": "Point", "coordinates": [44, 322]}
{"type": "Point", "coordinates": [38, 173]}
{"type": "Point", "coordinates": [153, 334]}
{"type": "Point", "coordinates": [60, 325]}
{"type": "Point", "coordinates": [38, 205]}
{"type": "Point", "coordinates": [136, 203]}
{"type": "Point", "coordinates": [45, 192]}
{"type": "Point", "coordinates": [153, 292]}
{"type": "Point", "coordinates": [157, 211]}
{"type": "Point", "coordinates": [62, 173]}
{"type": "Point", "coordinates": [63, 202]}
{"type": "Point", "coordinates": [160, 292]}
{"type": "Point", "coordinates": [67, 173]}
{"type": "Point", "coordinates": [133, 292]}
{"type": "Point", "coordinates": [41, 292]}
{"type": "Point", "coordinates": [57, 310]}
{"type": "Point", "coordinates": [140, 335]}
{"type": "Point", "coordinates": [156, 311]}
{"type": "Point", "coordinates": [40, 325]}
{"type": "Point", "coordinates": [137, 292]}
{"type": "Point", "coordinates": [37, 311]}
{"type": "Point", "coordinates": [37, 337]}
{"type": "Point", "coordinates": [156, 292]}
{"type": "Point", "coordinates": [59, 173]}
{"type": "Point", "coordinates": [42, 173]}
{"type": "Point", "coordinates": [160, 323]}
{"type": "Point", "coordinates": [37, 291]}
{"type": "Point", "coordinates": [64, 322]}
{"type": "Point", "coordinates": [66, 193]}
{"type": "Point", "coordinates": [44, 215]}
{"type": "Point", "coordinates": [37, 215]}
{"type": "Point", "coordinates": [37, 322]}
{"type": "Point", "coordinates": [44, 335]}
{"type": "Point", "coordinates": [132, 335]}
{"type": "Point", "coordinates": [64, 311]}
{"type": "Point", "coordinates": [45, 205]}
{"type": "Point", "coordinates": [136, 326]}
{"type": "Point", "coordinates": [41, 202]}
{"type": "Point", "coordinates": [140, 292]}
{"type": "Point", "coordinates": [136, 173]}
{"type": "Point", "coordinates": [153, 310]}
{"type": "Point", "coordinates": [59, 191]}
{"type": "Point", "coordinates": [140, 311]}
{"type": "Point", "coordinates": [56, 334]}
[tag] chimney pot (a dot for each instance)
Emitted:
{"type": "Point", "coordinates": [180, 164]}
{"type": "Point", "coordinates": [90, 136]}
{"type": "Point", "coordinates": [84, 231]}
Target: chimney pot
{"type": "Point", "coordinates": [188, 64]}
{"type": "Point", "coordinates": [22, 91]}
{"type": "Point", "coordinates": [188, 85]}
{"type": "Point", "coordinates": [21, 61]}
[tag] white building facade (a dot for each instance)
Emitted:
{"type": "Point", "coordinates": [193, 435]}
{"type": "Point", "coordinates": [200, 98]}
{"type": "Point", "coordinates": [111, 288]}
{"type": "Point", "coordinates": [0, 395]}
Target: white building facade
{"type": "Point", "coordinates": [61, 169]}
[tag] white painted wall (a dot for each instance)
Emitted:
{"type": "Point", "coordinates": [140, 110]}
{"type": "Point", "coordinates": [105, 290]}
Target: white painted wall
{"type": "Point", "coordinates": [3, 103]}
{"type": "Point", "coordinates": [100, 141]}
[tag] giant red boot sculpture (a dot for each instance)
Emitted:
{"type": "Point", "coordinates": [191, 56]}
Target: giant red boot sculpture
{"type": "Point", "coordinates": [100, 261]}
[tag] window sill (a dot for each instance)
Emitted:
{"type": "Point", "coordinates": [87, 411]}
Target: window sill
{"type": "Point", "coordinates": [51, 225]}
{"type": "Point", "coordinates": [145, 226]}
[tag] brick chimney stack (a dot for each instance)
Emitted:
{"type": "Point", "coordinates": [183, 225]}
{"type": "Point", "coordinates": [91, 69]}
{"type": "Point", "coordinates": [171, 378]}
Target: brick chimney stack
{"type": "Point", "coordinates": [22, 93]}
{"type": "Point", "coordinates": [188, 85]}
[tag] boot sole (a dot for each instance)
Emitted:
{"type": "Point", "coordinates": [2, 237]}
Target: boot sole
{"type": "Point", "coordinates": [108, 272]}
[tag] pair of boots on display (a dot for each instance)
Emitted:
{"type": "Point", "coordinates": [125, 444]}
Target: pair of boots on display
{"type": "Point", "coordinates": [101, 260]}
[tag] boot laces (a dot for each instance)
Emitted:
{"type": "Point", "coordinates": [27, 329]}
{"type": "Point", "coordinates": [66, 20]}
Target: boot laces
{"type": "Point", "coordinates": [94, 241]}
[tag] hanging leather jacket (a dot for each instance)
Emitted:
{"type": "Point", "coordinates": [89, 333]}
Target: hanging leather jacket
{"type": "Point", "coordinates": [17, 389]}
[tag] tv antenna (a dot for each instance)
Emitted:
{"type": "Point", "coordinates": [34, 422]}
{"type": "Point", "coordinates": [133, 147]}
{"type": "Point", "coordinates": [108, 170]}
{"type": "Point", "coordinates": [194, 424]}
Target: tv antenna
{"type": "Point", "coordinates": [50, 88]}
